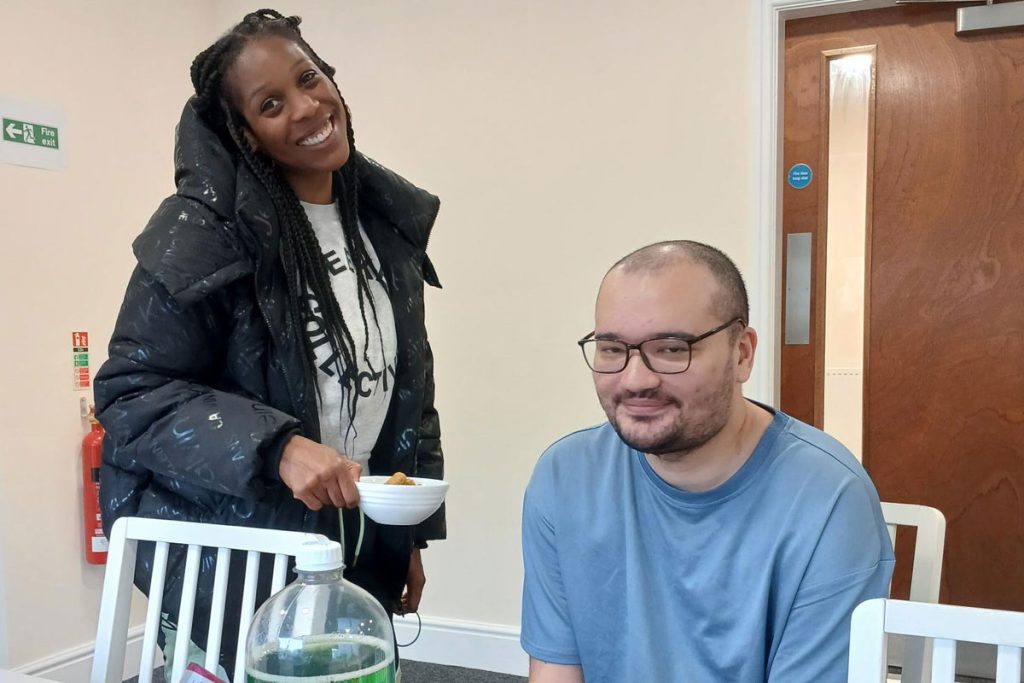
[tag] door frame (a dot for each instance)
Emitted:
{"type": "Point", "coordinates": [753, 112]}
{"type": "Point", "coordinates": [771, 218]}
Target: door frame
{"type": "Point", "coordinates": [772, 18]}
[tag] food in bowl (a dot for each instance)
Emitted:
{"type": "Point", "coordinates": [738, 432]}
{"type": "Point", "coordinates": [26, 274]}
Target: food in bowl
{"type": "Point", "coordinates": [399, 479]}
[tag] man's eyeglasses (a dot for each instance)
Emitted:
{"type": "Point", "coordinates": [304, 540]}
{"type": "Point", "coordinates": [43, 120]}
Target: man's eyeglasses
{"type": "Point", "coordinates": [664, 355]}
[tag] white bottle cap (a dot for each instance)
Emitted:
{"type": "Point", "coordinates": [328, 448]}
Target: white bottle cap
{"type": "Point", "coordinates": [319, 555]}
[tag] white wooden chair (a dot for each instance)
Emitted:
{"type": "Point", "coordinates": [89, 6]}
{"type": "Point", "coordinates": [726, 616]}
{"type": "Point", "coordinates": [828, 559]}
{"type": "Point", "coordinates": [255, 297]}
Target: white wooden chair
{"type": "Point", "coordinates": [946, 624]}
{"type": "Point", "coordinates": [112, 631]}
{"type": "Point", "coordinates": [925, 578]}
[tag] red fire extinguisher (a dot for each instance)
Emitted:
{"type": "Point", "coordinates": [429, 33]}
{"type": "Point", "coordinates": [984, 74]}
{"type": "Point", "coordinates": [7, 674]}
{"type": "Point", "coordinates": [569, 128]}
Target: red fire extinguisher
{"type": "Point", "coordinates": [92, 458]}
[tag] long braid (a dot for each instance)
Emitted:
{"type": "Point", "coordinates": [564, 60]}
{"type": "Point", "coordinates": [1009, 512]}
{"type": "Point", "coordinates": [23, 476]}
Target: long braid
{"type": "Point", "coordinates": [349, 206]}
{"type": "Point", "coordinates": [305, 267]}
{"type": "Point", "coordinates": [360, 257]}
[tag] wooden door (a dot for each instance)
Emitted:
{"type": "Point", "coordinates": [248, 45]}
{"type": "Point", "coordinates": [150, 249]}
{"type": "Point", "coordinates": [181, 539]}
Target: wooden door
{"type": "Point", "coordinates": [944, 311]}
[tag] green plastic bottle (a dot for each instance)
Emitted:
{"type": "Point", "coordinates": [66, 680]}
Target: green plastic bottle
{"type": "Point", "coordinates": [321, 628]}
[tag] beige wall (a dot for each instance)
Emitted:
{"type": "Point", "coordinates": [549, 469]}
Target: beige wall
{"type": "Point", "coordinates": [118, 70]}
{"type": "Point", "coordinates": [559, 135]}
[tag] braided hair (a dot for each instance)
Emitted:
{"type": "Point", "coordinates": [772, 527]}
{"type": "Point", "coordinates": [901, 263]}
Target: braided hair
{"type": "Point", "coordinates": [306, 271]}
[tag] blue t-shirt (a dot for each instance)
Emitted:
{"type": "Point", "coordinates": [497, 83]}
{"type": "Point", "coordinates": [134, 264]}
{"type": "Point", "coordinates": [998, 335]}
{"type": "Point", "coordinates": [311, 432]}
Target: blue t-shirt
{"type": "Point", "coordinates": [755, 580]}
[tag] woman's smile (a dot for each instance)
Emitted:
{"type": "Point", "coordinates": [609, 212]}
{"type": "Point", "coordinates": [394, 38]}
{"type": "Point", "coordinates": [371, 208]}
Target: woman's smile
{"type": "Point", "coordinates": [320, 135]}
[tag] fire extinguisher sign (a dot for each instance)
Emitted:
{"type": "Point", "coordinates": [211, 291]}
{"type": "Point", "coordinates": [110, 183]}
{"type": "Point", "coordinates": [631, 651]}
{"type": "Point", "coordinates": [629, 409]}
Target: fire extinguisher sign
{"type": "Point", "coordinates": [80, 360]}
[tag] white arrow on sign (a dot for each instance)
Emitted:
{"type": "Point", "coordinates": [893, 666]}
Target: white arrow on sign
{"type": "Point", "coordinates": [12, 131]}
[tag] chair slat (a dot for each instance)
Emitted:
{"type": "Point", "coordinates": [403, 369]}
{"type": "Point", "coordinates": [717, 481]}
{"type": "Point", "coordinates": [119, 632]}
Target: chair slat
{"type": "Point", "coordinates": [1008, 664]}
{"type": "Point", "coordinates": [943, 661]}
{"type": "Point", "coordinates": [252, 571]}
{"type": "Point", "coordinates": [220, 591]}
{"type": "Point", "coordinates": [112, 624]}
{"type": "Point", "coordinates": [182, 640]}
{"type": "Point", "coordinates": [281, 573]}
{"type": "Point", "coordinates": [867, 643]}
{"type": "Point", "coordinates": [153, 611]}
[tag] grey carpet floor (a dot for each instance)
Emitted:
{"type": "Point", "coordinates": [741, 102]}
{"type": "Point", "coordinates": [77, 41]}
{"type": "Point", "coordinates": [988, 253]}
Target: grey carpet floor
{"type": "Point", "coordinates": [418, 672]}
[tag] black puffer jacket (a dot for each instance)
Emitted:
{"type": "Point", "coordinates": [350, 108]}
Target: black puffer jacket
{"type": "Point", "coordinates": [205, 378]}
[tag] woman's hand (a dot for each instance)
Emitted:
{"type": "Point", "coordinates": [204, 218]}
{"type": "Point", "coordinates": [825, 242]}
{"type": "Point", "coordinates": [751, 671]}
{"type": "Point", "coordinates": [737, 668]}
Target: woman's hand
{"type": "Point", "coordinates": [414, 582]}
{"type": "Point", "coordinates": [318, 475]}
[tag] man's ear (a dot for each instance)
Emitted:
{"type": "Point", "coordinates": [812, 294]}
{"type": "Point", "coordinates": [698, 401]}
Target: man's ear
{"type": "Point", "coordinates": [747, 345]}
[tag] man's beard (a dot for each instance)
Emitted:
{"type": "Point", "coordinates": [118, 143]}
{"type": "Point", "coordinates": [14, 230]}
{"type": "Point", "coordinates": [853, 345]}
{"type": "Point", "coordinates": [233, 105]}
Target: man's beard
{"type": "Point", "coordinates": [695, 425]}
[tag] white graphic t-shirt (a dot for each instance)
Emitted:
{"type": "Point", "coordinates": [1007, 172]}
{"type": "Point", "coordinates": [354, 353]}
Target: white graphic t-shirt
{"type": "Point", "coordinates": [374, 381]}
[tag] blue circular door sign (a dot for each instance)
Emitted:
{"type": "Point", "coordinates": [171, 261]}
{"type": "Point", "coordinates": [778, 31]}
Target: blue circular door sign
{"type": "Point", "coordinates": [799, 176]}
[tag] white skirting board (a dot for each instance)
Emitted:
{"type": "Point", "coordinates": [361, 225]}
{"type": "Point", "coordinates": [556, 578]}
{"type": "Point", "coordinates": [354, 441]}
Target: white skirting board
{"type": "Point", "coordinates": [472, 645]}
{"type": "Point", "coordinates": [75, 665]}
{"type": "Point", "coordinates": [490, 647]}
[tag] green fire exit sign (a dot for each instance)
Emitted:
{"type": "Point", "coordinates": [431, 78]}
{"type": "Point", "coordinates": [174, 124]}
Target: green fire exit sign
{"type": "Point", "coordinates": [30, 133]}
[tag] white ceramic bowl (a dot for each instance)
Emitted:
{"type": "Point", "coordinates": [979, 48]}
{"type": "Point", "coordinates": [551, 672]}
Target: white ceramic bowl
{"type": "Point", "coordinates": [400, 505]}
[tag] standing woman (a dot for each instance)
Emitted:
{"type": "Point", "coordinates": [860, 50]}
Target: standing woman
{"type": "Point", "coordinates": [271, 345]}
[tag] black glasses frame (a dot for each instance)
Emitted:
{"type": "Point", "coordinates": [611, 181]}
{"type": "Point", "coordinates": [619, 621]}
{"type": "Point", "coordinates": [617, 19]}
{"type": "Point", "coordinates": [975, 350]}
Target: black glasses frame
{"type": "Point", "coordinates": [690, 341]}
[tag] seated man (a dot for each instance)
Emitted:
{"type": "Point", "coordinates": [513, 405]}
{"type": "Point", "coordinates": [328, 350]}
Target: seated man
{"type": "Point", "coordinates": [697, 536]}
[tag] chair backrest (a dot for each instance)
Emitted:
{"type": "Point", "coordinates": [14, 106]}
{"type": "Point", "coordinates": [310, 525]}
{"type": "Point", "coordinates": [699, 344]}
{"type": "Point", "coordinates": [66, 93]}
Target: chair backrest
{"type": "Point", "coordinates": [926, 576]}
{"type": "Point", "coordinates": [112, 631]}
{"type": "Point", "coordinates": [873, 620]}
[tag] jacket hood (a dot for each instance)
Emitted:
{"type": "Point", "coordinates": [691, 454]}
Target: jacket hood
{"type": "Point", "coordinates": [204, 170]}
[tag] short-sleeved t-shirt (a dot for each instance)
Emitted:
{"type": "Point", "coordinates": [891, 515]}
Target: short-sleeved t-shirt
{"type": "Point", "coordinates": [754, 580]}
{"type": "Point", "coordinates": [373, 375]}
